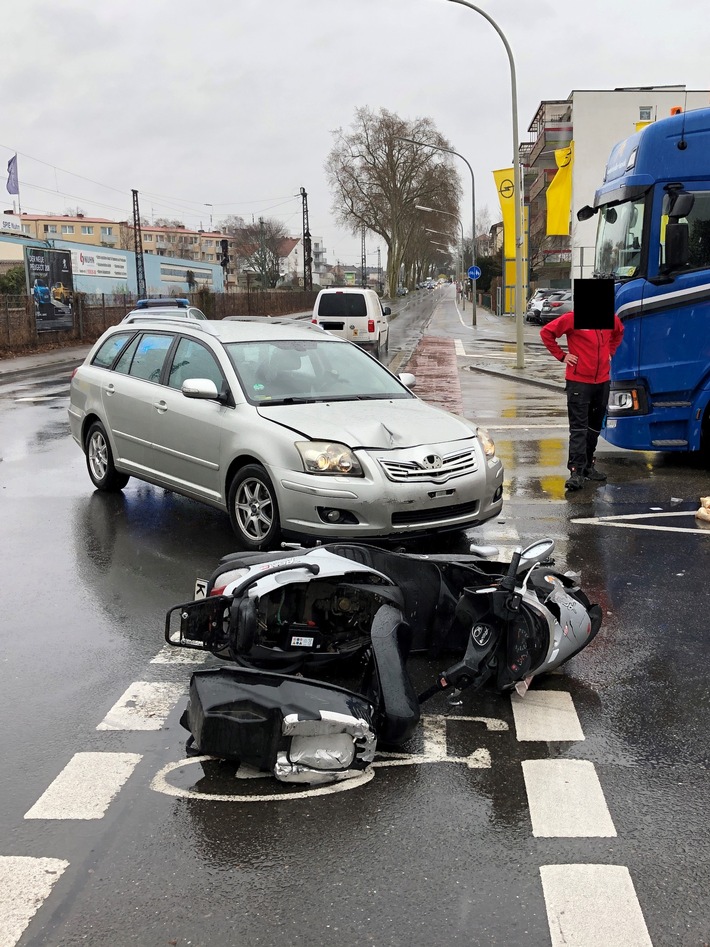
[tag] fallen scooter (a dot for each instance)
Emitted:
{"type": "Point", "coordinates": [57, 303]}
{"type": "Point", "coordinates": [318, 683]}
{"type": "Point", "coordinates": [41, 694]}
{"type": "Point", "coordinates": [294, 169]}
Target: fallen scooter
{"type": "Point", "coordinates": [295, 626]}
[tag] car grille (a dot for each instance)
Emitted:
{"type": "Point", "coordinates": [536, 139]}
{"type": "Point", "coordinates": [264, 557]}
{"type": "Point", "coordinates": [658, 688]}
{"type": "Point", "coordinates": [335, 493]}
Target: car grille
{"type": "Point", "coordinates": [413, 471]}
{"type": "Point", "coordinates": [433, 516]}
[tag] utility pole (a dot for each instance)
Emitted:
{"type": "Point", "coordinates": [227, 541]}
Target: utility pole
{"type": "Point", "coordinates": [307, 256]}
{"type": "Point", "coordinates": [363, 258]}
{"type": "Point", "coordinates": [379, 270]}
{"type": "Point", "coordinates": [263, 255]}
{"type": "Point", "coordinates": [138, 245]}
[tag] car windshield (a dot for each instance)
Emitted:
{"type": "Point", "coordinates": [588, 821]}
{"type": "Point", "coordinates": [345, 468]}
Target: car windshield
{"type": "Point", "coordinates": [302, 371]}
{"type": "Point", "coordinates": [619, 240]}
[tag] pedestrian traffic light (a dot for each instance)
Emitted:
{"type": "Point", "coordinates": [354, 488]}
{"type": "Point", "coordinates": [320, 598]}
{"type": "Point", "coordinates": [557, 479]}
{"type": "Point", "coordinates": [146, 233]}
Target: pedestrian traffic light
{"type": "Point", "coordinates": [224, 244]}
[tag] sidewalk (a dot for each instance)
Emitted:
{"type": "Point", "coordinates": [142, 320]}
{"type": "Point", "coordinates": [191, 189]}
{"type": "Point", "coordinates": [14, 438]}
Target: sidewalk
{"type": "Point", "coordinates": [490, 347]}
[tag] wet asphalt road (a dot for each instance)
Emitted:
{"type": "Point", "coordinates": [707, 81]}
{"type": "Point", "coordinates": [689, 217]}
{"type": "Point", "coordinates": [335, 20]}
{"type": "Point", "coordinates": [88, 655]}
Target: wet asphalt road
{"type": "Point", "coordinates": [431, 852]}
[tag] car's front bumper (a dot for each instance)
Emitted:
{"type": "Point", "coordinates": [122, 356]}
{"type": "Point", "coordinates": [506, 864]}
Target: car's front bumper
{"type": "Point", "coordinates": [375, 506]}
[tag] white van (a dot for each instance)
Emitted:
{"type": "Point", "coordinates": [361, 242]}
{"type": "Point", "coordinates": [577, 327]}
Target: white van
{"type": "Point", "coordinates": [356, 315]}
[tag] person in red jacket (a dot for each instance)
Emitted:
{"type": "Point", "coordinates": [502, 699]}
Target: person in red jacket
{"type": "Point", "coordinates": [587, 361]}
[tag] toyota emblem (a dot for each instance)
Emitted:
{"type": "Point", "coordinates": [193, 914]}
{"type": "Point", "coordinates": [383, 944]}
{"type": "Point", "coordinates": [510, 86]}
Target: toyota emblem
{"type": "Point", "coordinates": [433, 462]}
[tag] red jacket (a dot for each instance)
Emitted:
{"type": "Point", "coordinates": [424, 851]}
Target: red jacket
{"type": "Point", "coordinates": [593, 347]}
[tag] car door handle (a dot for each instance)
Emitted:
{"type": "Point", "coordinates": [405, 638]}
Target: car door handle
{"type": "Point", "coordinates": [110, 390]}
{"type": "Point", "coordinates": [160, 406]}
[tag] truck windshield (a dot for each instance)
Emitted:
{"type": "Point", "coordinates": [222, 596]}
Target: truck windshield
{"type": "Point", "coordinates": [619, 240]}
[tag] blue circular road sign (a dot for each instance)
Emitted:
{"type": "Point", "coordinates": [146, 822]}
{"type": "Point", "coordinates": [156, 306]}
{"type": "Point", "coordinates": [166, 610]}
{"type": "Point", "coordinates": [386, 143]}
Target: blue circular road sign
{"type": "Point", "coordinates": [474, 272]}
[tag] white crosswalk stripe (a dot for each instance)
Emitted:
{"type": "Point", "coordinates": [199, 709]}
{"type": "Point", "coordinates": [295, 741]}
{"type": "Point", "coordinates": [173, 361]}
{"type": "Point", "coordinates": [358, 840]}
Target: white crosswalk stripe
{"type": "Point", "coordinates": [593, 906]}
{"type": "Point", "coordinates": [170, 655]}
{"type": "Point", "coordinates": [24, 885]}
{"type": "Point", "coordinates": [85, 787]}
{"type": "Point", "coordinates": [566, 800]}
{"type": "Point", "coordinates": [546, 715]}
{"type": "Point", "coordinates": [144, 706]}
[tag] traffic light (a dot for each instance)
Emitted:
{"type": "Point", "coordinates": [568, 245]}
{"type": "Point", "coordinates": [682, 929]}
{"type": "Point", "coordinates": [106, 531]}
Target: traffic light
{"type": "Point", "coordinates": [224, 244]}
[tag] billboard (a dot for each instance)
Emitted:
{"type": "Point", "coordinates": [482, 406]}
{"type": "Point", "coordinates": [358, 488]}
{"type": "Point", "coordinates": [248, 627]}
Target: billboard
{"type": "Point", "coordinates": [91, 263]}
{"type": "Point", "coordinates": [51, 285]}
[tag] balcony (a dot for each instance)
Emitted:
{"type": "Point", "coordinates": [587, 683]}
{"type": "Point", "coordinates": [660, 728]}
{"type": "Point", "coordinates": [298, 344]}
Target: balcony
{"type": "Point", "coordinates": [541, 182]}
{"type": "Point", "coordinates": [552, 136]}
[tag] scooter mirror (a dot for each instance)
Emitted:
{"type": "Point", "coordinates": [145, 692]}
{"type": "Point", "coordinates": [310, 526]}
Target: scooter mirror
{"type": "Point", "coordinates": [536, 552]}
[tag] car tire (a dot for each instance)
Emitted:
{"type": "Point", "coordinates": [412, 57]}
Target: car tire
{"type": "Point", "coordinates": [99, 461]}
{"type": "Point", "coordinates": [387, 343]}
{"type": "Point", "coordinates": [253, 509]}
{"type": "Point", "coordinates": [377, 351]}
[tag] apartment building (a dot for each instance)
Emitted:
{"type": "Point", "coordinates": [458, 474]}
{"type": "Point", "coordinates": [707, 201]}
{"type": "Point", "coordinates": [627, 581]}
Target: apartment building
{"type": "Point", "coordinates": [95, 231]}
{"type": "Point", "coordinates": [595, 120]}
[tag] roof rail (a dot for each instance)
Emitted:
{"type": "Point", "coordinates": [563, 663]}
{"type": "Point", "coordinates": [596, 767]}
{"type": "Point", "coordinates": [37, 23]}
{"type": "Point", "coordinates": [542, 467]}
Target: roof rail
{"type": "Point", "coordinates": [202, 324]}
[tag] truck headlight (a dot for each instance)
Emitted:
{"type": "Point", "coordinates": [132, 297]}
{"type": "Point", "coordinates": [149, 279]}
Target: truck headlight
{"type": "Point", "coordinates": [326, 457]}
{"type": "Point", "coordinates": [489, 448]}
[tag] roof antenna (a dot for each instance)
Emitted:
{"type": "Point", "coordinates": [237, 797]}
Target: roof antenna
{"type": "Point", "coordinates": [683, 144]}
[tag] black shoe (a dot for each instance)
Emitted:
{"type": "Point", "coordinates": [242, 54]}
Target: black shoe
{"type": "Point", "coordinates": [575, 482]}
{"type": "Point", "coordinates": [591, 473]}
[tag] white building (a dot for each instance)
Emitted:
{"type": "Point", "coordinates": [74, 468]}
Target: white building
{"type": "Point", "coordinates": [292, 261]}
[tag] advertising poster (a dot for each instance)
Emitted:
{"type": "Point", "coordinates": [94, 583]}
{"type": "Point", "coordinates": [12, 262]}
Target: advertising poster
{"type": "Point", "coordinates": [50, 283]}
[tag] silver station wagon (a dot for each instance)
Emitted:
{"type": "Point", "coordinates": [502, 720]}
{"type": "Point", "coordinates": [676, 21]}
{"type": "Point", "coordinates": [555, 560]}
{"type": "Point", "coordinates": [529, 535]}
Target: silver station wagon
{"type": "Point", "coordinates": [295, 433]}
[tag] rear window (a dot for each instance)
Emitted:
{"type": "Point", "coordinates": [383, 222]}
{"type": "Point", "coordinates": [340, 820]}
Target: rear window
{"type": "Point", "coordinates": [106, 355]}
{"type": "Point", "coordinates": [342, 304]}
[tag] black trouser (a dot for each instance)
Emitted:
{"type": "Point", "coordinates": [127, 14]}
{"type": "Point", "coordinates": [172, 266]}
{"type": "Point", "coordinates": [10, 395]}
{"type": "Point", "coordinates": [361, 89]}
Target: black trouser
{"type": "Point", "coordinates": [586, 407]}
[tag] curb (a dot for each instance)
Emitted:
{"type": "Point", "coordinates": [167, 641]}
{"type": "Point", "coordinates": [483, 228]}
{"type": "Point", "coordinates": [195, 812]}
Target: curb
{"type": "Point", "coordinates": [552, 386]}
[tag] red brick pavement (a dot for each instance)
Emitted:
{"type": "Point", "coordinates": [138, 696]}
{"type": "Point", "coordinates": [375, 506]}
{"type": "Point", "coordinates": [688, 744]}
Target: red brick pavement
{"type": "Point", "coordinates": [434, 364]}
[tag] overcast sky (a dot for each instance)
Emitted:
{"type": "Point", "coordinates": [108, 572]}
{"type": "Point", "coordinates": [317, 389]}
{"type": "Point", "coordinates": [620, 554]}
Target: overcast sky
{"type": "Point", "coordinates": [233, 103]}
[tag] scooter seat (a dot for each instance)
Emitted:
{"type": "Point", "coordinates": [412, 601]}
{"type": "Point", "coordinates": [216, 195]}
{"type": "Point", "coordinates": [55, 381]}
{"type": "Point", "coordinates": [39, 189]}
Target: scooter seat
{"type": "Point", "coordinates": [394, 695]}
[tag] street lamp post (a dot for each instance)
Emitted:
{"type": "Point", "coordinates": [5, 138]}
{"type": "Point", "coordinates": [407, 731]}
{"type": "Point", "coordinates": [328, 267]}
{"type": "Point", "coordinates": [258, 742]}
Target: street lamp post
{"type": "Point", "coordinates": [520, 351]}
{"type": "Point", "coordinates": [450, 151]}
{"type": "Point", "coordinates": [435, 210]}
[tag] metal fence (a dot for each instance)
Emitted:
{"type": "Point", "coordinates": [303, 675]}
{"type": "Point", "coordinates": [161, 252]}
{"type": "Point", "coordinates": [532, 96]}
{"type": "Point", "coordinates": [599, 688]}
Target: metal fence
{"type": "Point", "coordinates": [92, 314]}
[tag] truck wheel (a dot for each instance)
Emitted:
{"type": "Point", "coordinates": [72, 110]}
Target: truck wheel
{"type": "Point", "coordinates": [99, 461]}
{"type": "Point", "coordinates": [253, 510]}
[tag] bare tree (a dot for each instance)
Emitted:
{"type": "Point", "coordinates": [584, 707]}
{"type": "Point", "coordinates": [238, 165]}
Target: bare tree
{"type": "Point", "coordinates": [231, 224]}
{"type": "Point", "coordinates": [377, 180]}
{"type": "Point", "coordinates": [258, 247]}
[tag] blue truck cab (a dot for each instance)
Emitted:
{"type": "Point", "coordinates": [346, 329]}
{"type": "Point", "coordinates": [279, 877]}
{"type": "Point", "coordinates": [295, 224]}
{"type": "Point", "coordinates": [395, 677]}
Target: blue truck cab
{"type": "Point", "coordinates": [653, 239]}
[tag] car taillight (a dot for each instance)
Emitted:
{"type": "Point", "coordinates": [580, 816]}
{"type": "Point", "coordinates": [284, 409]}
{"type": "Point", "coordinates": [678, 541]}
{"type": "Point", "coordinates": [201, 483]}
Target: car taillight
{"type": "Point", "coordinates": [555, 305]}
{"type": "Point", "coordinates": [370, 325]}
{"type": "Point", "coordinates": [314, 320]}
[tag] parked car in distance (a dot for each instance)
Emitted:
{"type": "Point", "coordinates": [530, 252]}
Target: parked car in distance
{"type": "Point", "coordinates": [537, 301]}
{"type": "Point", "coordinates": [163, 308]}
{"type": "Point", "coordinates": [402, 291]}
{"type": "Point", "coordinates": [354, 314]}
{"type": "Point", "coordinates": [555, 306]}
{"type": "Point", "coordinates": [292, 431]}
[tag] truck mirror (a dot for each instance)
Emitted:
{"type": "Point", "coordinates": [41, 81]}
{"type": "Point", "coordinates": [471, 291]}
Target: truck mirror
{"type": "Point", "coordinates": [682, 205]}
{"type": "Point", "coordinates": [584, 213]}
{"type": "Point", "coordinates": [677, 247]}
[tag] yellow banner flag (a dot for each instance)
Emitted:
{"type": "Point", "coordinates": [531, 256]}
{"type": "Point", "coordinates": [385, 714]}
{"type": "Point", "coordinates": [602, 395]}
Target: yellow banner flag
{"type": "Point", "coordinates": [504, 186]}
{"type": "Point", "coordinates": [641, 125]}
{"type": "Point", "coordinates": [559, 193]}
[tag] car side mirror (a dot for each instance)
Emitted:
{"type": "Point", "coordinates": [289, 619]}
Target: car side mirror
{"type": "Point", "coordinates": [200, 388]}
{"type": "Point", "coordinates": [387, 311]}
{"type": "Point", "coordinates": [408, 379]}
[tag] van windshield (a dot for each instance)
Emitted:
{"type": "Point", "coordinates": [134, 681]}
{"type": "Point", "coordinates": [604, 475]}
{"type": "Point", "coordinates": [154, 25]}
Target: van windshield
{"type": "Point", "coordinates": [342, 304]}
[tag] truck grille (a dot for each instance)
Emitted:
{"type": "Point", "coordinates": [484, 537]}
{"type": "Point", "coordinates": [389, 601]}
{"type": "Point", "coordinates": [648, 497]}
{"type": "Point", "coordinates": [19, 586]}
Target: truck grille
{"type": "Point", "coordinates": [414, 471]}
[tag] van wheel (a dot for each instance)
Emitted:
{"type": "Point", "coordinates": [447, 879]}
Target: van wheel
{"type": "Point", "coordinates": [253, 510]}
{"type": "Point", "coordinates": [99, 461]}
{"type": "Point", "coordinates": [377, 351]}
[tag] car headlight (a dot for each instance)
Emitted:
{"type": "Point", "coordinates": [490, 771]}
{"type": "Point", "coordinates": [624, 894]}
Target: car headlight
{"type": "Point", "coordinates": [489, 448]}
{"type": "Point", "coordinates": [326, 457]}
